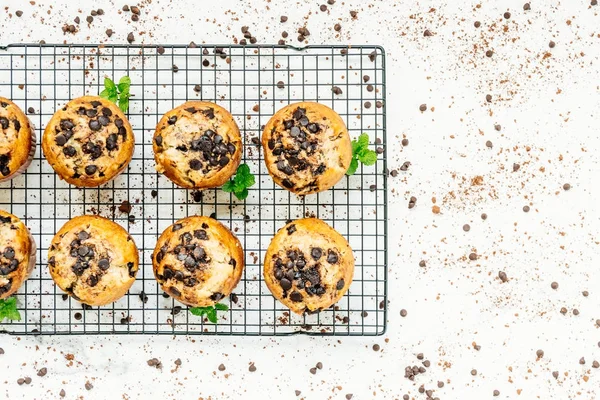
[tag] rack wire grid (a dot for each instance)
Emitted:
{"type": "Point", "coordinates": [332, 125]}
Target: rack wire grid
{"type": "Point", "coordinates": [245, 80]}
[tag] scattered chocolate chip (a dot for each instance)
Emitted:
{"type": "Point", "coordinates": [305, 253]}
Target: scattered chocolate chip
{"type": "Point", "coordinates": [551, 44]}
{"type": "Point", "coordinates": [175, 68]}
{"type": "Point", "coordinates": [336, 90]}
{"type": "Point", "coordinates": [496, 393]}
{"type": "Point", "coordinates": [472, 256]}
{"type": "Point", "coordinates": [507, 15]}
{"type": "Point", "coordinates": [42, 372]}
{"type": "Point", "coordinates": [252, 367]}
{"type": "Point", "coordinates": [337, 27]}
{"type": "Point", "coordinates": [489, 144]}
{"type": "Point", "coordinates": [526, 7]}
{"type": "Point", "coordinates": [488, 98]}
{"type": "Point", "coordinates": [526, 208]}
{"type": "Point", "coordinates": [376, 347]}
{"type": "Point", "coordinates": [489, 53]}
{"type": "Point", "coordinates": [403, 313]}
{"type": "Point", "coordinates": [130, 37]}
{"type": "Point", "coordinates": [575, 311]}
{"type": "Point", "coordinates": [88, 386]}
{"type": "Point", "coordinates": [466, 227]}
{"type": "Point", "coordinates": [502, 276]}
{"type": "Point", "coordinates": [582, 361]}
{"type": "Point", "coordinates": [555, 374]}
{"type": "Point", "coordinates": [89, 19]}
{"type": "Point", "coordinates": [477, 24]}
{"type": "Point", "coordinates": [283, 18]}
{"type": "Point", "coordinates": [539, 353]}
{"type": "Point", "coordinates": [427, 33]}
{"type": "Point", "coordinates": [566, 186]}
{"type": "Point", "coordinates": [423, 107]}
{"type": "Point", "coordinates": [473, 372]}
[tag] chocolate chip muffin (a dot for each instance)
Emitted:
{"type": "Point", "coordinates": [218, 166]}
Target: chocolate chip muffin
{"type": "Point", "coordinates": [308, 266]}
{"type": "Point", "coordinates": [17, 254]}
{"type": "Point", "coordinates": [198, 261]}
{"type": "Point", "coordinates": [197, 145]}
{"type": "Point", "coordinates": [17, 140]}
{"type": "Point", "coordinates": [88, 142]}
{"type": "Point", "coordinates": [93, 259]}
{"type": "Point", "coordinates": [307, 147]}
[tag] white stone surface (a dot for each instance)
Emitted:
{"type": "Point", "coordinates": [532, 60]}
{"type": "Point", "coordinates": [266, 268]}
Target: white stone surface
{"type": "Point", "coordinates": [548, 107]}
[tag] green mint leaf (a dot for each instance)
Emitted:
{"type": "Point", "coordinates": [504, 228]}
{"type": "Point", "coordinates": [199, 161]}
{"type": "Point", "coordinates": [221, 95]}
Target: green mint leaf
{"type": "Point", "coordinates": [361, 143]}
{"type": "Point", "coordinates": [210, 312]}
{"type": "Point", "coordinates": [353, 167]}
{"type": "Point", "coordinates": [199, 311]}
{"type": "Point", "coordinates": [212, 316]}
{"type": "Point", "coordinates": [8, 310]}
{"type": "Point", "coordinates": [110, 86]}
{"type": "Point", "coordinates": [240, 183]}
{"type": "Point", "coordinates": [124, 84]}
{"type": "Point", "coordinates": [228, 187]}
{"type": "Point", "coordinates": [124, 102]}
{"type": "Point", "coordinates": [368, 157]}
{"type": "Point", "coordinates": [241, 195]}
{"type": "Point", "coordinates": [104, 94]}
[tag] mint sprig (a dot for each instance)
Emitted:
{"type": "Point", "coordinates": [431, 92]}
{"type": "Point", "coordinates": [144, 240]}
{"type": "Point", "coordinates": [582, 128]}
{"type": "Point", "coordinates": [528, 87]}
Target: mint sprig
{"type": "Point", "coordinates": [362, 153]}
{"type": "Point", "coordinates": [8, 310]}
{"type": "Point", "coordinates": [210, 311]}
{"type": "Point", "coordinates": [240, 183]}
{"type": "Point", "coordinates": [118, 94]}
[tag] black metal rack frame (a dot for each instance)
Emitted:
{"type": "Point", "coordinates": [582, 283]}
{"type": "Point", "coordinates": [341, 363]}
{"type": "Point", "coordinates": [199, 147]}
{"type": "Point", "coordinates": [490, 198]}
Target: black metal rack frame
{"type": "Point", "coordinates": [244, 80]}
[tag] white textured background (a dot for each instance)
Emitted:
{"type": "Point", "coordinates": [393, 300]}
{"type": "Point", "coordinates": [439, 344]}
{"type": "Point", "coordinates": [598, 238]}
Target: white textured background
{"type": "Point", "coordinates": [547, 102]}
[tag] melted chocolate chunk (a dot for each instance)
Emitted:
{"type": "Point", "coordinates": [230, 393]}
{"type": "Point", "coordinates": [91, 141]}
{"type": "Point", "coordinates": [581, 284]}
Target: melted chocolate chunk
{"type": "Point", "coordinates": [111, 142]}
{"type": "Point", "coordinates": [93, 281]}
{"type": "Point", "coordinates": [296, 296]}
{"type": "Point", "coordinates": [5, 220]}
{"type": "Point", "coordinates": [209, 113]}
{"type": "Point", "coordinates": [104, 121]}
{"type": "Point", "coordinates": [96, 103]}
{"type": "Point", "coordinates": [119, 123]}
{"type": "Point", "coordinates": [195, 164]}
{"type": "Point", "coordinates": [4, 122]}
{"type": "Point", "coordinates": [94, 125]}
{"type": "Point", "coordinates": [103, 264]}
{"type": "Point", "coordinates": [66, 124]}
{"type": "Point", "coordinates": [4, 168]}
{"type": "Point", "coordinates": [172, 120]}
{"type": "Point", "coordinates": [332, 257]}
{"type": "Point", "coordinates": [316, 253]}
{"type": "Point", "coordinates": [91, 169]}
{"type": "Point", "coordinates": [201, 234]}
{"type": "Point", "coordinates": [60, 140]}
{"type": "Point", "coordinates": [233, 263]}
{"type": "Point", "coordinates": [217, 296]}
{"type": "Point", "coordinates": [69, 151]}
{"type": "Point", "coordinates": [174, 291]}
{"type": "Point", "coordinates": [9, 253]}
{"type": "Point", "coordinates": [285, 284]}
{"type": "Point", "coordinates": [340, 284]}
{"type": "Point", "coordinates": [287, 183]}
{"type": "Point", "coordinates": [177, 227]}
{"type": "Point", "coordinates": [291, 229]}
{"type": "Point", "coordinates": [158, 140]}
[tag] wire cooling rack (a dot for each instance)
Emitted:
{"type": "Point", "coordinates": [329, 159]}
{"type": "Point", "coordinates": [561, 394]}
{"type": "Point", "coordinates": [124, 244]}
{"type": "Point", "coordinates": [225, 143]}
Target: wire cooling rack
{"type": "Point", "coordinates": [246, 81]}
